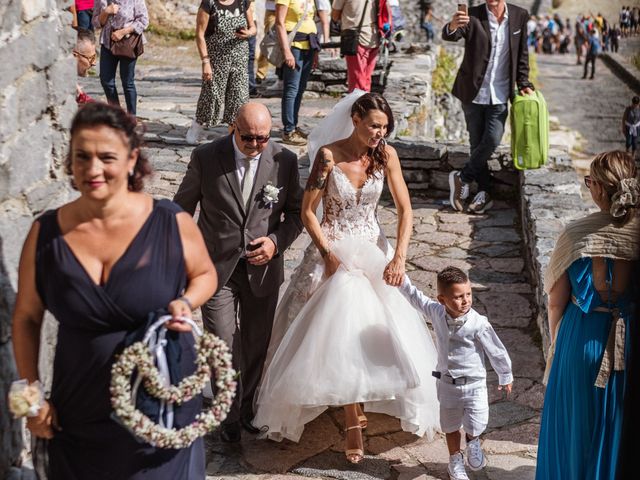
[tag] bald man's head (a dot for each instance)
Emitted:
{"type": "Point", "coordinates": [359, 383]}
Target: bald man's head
{"type": "Point", "coordinates": [252, 128]}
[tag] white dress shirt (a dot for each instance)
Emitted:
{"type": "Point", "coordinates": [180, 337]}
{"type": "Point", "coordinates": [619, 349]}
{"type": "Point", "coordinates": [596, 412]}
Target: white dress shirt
{"type": "Point", "coordinates": [240, 159]}
{"type": "Point", "coordinates": [496, 83]}
{"type": "Point", "coordinates": [462, 342]}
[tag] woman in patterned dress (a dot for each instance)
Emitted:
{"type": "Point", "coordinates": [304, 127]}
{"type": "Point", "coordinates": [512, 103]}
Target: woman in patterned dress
{"type": "Point", "coordinates": [223, 29]}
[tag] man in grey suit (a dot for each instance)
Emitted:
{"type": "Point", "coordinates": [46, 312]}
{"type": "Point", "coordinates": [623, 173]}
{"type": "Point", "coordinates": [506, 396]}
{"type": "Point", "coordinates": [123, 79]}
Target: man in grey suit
{"type": "Point", "coordinates": [249, 193]}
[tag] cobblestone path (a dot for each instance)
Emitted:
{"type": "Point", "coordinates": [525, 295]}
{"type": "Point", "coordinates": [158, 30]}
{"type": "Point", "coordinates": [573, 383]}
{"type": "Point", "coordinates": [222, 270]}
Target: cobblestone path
{"type": "Point", "coordinates": [488, 246]}
{"type": "Point", "coordinates": [592, 107]}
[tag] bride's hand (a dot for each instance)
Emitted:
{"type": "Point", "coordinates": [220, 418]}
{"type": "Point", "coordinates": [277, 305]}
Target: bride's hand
{"type": "Point", "coordinates": [331, 264]}
{"type": "Point", "coordinates": [394, 272]}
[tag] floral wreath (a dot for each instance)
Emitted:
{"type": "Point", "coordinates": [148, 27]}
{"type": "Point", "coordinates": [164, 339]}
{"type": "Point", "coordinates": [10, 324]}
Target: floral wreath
{"type": "Point", "coordinates": [212, 355]}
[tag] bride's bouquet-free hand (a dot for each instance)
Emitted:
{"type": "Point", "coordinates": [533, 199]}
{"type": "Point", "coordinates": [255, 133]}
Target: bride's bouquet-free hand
{"type": "Point", "coordinates": [25, 399]}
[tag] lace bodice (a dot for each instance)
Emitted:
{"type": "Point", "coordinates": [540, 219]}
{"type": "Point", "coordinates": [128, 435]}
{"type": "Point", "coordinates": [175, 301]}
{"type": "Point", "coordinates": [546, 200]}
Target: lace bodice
{"type": "Point", "coordinates": [351, 212]}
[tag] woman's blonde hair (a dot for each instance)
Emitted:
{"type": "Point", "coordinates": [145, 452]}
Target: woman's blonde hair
{"type": "Point", "coordinates": [617, 174]}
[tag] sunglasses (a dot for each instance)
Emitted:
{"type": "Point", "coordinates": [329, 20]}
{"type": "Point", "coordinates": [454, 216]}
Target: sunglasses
{"type": "Point", "coordinates": [587, 181]}
{"type": "Point", "coordinates": [255, 138]}
{"type": "Point", "coordinates": [88, 58]}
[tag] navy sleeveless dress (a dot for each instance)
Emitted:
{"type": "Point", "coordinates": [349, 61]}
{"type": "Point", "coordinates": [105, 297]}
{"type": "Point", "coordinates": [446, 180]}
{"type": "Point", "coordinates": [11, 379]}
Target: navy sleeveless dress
{"type": "Point", "coordinates": [93, 323]}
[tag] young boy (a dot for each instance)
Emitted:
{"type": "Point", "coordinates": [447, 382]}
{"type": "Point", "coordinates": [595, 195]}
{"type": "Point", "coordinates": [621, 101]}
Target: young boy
{"type": "Point", "coordinates": [463, 337]}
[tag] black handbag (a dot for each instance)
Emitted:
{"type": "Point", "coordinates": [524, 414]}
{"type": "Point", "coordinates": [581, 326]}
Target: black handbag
{"type": "Point", "coordinates": [349, 39]}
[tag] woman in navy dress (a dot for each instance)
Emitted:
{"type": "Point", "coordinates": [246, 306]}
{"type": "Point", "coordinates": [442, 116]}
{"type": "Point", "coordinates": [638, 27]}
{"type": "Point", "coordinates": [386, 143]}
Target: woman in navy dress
{"type": "Point", "coordinates": [590, 308]}
{"type": "Point", "coordinates": [100, 264]}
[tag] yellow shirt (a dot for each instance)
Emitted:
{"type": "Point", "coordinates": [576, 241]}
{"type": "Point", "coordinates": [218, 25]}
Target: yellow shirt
{"type": "Point", "coordinates": [294, 12]}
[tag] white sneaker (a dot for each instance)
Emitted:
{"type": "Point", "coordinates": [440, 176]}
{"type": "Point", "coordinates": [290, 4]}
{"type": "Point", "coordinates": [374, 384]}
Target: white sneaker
{"type": "Point", "coordinates": [456, 469]}
{"type": "Point", "coordinates": [480, 203]}
{"type": "Point", "coordinates": [475, 456]}
{"type": "Point", "coordinates": [195, 133]}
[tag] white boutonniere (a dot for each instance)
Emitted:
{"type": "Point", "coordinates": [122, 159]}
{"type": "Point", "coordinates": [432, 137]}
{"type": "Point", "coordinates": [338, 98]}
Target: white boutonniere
{"type": "Point", "coordinates": [270, 194]}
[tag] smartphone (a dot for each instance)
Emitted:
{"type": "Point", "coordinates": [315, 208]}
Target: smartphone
{"type": "Point", "coordinates": [462, 7]}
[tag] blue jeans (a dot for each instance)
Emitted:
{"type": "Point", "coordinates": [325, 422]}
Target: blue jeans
{"type": "Point", "coordinates": [252, 64]}
{"type": "Point", "coordinates": [485, 124]}
{"type": "Point", "coordinates": [84, 19]}
{"type": "Point", "coordinates": [294, 85]}
{"type": "Point", "coordinates": [108, 64]}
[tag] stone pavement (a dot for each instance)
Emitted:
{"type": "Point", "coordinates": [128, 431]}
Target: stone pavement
{"type": "Point", "coordinates": [489, 247]}
{"type": "Point", "coordinates": [593, 108]}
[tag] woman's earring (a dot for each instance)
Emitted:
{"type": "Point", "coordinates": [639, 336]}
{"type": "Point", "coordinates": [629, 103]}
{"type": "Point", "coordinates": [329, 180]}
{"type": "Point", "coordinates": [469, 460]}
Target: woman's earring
{"type": "Point", "coordinates": [131, 173]}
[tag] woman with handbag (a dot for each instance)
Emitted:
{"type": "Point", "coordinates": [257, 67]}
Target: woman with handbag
{"type": "Point", "coordinates": [296, 31]}
{"type": "Point", "coordinates": [122, 23]}
{"type": "Point", "coordinates": [223, 30]}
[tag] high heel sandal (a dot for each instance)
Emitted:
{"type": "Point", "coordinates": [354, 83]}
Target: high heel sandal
{"type": "Point", "coordinates": [354, 455]}
{"type": "Point", "coordinates": [362, 418]}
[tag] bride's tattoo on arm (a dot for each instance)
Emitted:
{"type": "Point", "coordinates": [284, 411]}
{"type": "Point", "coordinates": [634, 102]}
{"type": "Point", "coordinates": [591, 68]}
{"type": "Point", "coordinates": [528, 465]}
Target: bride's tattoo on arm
{"type": "Point", "coordinates": [318, 178]}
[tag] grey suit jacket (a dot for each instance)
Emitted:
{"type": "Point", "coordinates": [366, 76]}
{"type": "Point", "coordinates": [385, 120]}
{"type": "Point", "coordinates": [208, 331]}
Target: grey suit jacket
{"type": "Point", "coordinates": [227, 225]}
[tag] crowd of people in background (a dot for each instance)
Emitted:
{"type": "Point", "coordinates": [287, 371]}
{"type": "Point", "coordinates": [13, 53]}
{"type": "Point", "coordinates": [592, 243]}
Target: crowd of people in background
{"type": "Point", "coordinates": [551, 34]}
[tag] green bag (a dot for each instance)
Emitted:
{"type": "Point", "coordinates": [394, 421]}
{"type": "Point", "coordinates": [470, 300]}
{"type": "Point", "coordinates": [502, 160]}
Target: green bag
{"type": "Point", "coordinates": [529, 131]}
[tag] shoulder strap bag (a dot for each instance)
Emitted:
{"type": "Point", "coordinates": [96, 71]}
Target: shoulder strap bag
{"type": "Point", "coordinates": [349, 39]}
{"type": "Point", "coordinates": [270, 46]}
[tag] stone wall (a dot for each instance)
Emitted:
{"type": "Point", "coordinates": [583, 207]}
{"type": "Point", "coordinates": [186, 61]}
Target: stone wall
{"type": "Point", "coordinates": [550, 198]}
{"type": "Point", "coordinates": [37, 85]}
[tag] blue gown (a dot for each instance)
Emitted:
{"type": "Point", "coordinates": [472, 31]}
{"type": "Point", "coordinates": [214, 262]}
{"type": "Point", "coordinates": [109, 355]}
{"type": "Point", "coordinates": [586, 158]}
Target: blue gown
{"type": "Point", "coordinates": [582, 424]}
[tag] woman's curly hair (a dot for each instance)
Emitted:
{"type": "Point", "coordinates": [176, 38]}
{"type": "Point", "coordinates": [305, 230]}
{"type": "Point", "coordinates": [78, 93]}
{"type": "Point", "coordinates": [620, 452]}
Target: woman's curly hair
{"type": "Point", "coordinates": [97, 114]}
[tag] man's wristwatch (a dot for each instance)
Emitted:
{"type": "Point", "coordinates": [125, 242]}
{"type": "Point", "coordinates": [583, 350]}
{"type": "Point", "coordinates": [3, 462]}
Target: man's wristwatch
{"type": "Point", "coordinates": [324, 251]}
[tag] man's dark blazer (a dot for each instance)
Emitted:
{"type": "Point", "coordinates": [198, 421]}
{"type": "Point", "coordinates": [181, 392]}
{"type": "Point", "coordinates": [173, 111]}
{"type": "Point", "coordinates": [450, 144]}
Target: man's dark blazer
{"type": "Point", "coordinates": [227, 225]}
{"type": "Point", "coordinates": [477, 42]}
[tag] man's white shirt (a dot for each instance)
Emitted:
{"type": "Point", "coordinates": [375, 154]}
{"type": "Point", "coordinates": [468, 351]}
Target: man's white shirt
{"type": "Point", "coordinates": [496, 83]}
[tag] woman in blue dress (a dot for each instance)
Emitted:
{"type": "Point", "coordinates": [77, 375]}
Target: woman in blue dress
{"type": "Point", "coordinates": [589, 310]}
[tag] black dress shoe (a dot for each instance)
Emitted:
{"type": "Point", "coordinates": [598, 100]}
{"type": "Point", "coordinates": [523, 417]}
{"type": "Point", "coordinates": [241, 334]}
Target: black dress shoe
{"type": "Point", "coordinates": [230, 433]}
{"type": "Point", "coordinates": [248, 426]}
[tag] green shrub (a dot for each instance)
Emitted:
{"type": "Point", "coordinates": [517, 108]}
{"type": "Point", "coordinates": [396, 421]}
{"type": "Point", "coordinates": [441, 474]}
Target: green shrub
{"type": "Point", "coordinates": [181, 34]}
{"type": "Point", "coordinates": [444, 74]}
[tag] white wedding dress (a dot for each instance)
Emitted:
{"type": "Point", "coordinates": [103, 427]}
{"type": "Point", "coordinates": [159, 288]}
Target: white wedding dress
{"type": "Point", "coordinates": [350, 337]}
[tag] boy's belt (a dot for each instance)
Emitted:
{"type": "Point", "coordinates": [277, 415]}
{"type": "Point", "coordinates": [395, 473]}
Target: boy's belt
{"type": "Point", "coordinates": [449, 379]}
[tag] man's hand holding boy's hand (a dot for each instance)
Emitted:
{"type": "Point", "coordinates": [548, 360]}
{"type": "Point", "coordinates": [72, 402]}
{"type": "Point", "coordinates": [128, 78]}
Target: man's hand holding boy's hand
{"type": "Point", "coordinates": [506, 388]}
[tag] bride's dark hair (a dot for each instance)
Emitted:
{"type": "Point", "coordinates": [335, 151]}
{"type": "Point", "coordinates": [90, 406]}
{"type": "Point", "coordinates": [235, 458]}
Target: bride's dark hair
{"type": "Point", "coordinates": [361, 107]}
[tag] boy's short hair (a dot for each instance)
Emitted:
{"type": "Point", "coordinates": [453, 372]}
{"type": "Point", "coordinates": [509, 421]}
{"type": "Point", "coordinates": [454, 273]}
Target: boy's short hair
{"type": "Point", "coordinates": [449, 276]}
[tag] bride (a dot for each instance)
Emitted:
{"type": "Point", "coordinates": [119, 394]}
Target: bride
{"type": "Point", "coordinates": [343, 334]}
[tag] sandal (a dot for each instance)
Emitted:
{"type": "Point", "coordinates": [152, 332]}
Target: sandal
{"type": "Point", "coordinates": [354, 455]}
{"type": "Point", "coordinates": [362, 418]}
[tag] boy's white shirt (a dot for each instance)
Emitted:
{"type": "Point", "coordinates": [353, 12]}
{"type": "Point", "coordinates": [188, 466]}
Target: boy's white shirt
{"type": "Point", "coordinates": [461, 348]}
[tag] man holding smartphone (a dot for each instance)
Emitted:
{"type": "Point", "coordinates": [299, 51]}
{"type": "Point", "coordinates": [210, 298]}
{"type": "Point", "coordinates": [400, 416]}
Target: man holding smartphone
{"type": "Point", "coordinates": [495, 67]}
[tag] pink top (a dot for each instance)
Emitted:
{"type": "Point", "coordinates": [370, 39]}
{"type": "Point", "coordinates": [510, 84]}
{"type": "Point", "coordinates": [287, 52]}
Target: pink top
{"type": "Point", "coordinates": [84, 5]}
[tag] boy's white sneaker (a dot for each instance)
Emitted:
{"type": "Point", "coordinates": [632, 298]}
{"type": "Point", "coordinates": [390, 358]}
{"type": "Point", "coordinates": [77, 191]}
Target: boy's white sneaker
{"type": "Point", "coordinates": [475, 456]}
{"type": "Point", "coordinates": [195, 133]}
{"type": "Point", "coordinates": [456, 469]}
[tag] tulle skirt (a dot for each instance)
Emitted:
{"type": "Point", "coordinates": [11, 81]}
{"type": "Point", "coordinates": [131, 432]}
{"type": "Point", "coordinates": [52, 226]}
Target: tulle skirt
{"type": "Point", "coordinates": [355, 340]}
